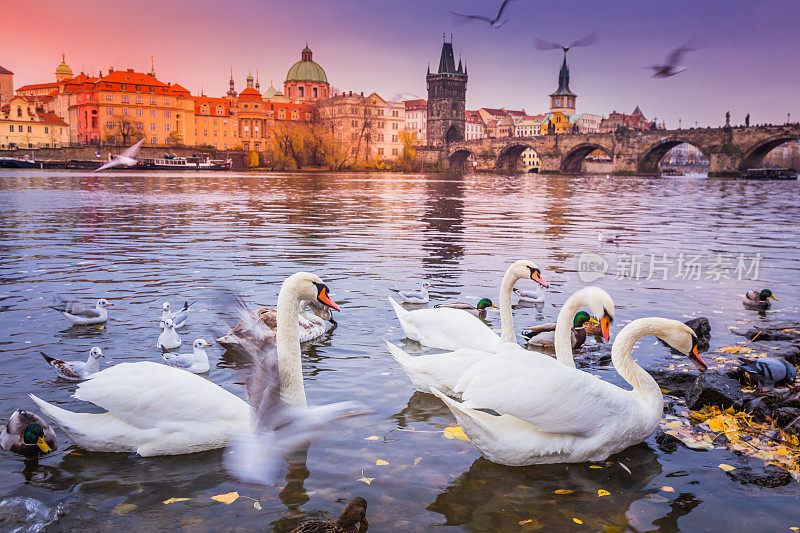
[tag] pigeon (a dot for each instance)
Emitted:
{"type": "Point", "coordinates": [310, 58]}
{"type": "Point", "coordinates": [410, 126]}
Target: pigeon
{"type": "Point", "coordinates": [169, 339]}
{"type": "Point", "coordinates": [415, 297]}
{"type": "Point", "coordinates": [179, 319]}
{"type": "Point", "coordinates": [353, 514]}
{"type": "Point", "coordinates": [126, 158]}
{"type": "Point", "coordinates": [195, 362]}
{"type": "Point", "coordinates": [534, 296]}
{"type": "Point", "coordinates": [496, 22]}
{"type": "Point", "coordinates": [768, 371]}
{"type": "Point", "coordinates": [280, 428]}
{"type": "Point", "coordinates": [586, 40]}
{"type": "Point", "coordinates": [83, 314]}
{"type": "Point", "coordinates": [76, 370]}
{"type": "Point", "coordinates": [670, 66]}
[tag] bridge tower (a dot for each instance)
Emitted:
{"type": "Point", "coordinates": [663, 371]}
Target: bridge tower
{"type": "Point", "coordinates": [447, 99]}
{"type": "Point", "coordinates": [563, 99]}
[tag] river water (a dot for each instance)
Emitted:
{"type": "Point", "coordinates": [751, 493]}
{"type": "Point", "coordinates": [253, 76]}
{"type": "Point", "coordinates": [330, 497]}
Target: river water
{"type": "Point", "coordinates": [139, 239]}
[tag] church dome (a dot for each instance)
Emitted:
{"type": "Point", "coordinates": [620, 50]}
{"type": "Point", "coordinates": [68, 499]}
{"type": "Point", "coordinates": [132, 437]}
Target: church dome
{"type": "Point", "coordinates": [306, 69]}
{"type": "Point", "coordinates": [63, 68]}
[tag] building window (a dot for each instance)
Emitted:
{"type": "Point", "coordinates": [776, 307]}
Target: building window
{"type": "Point", "coordinates": [124, 98]}
{"type": "Point", "coordinates": [29, 129]}
{"type": "Point", "coordinates": [395, 113]}
{"type": "Point", "coordinates": [380, 151]}
{"type": "Point", "coordinates": [315, 92]}
{"type": "Point", "coordinates": [395, 126]}
{"type": "Point", "coordinates": [11, 128]}
{"type": "Point", "coordinates": [394, 138]}
{"type": "Point", "coordinates": [168, 141]}
{"type": "Point", "coordinates": [46, 129]}
{"type": "Point", "coordinates": [153, 101]}
{"type": "Point", "coordinates": [109, 98]}
{"type": "Point", "coordinates": [19, 128]}
{"type": "Point", "coordinates": [125, 111]}
{"type": "Point", "coordinates": [111, 139]}
{"type": "Point", "coordinates": [167, 113]}
{"type": "Point", "coordinates": [167, 127]}
{"type": "Point", "coordinates": [153, 113]}
{"type": "Point", "coordinates": [153, 127]}
{"type": "Point", "coordinates": [122, 85]}
{"type": "Point", "coordinates": [110, 125]}
{"type": "Point", "coordinates": [138, 88]}
{"type": "Point", "coordinates": [153, 140]}
{"type": "Point", "coordinates": [302, 91]}
{"type": "Point", "coordinates": [139, 112]}
{"type": "Point", "coordinates": [139, 100]}
{"type": "Point", "coordinates": [167, 101]}
{"type": "Point", "coordinates": [394, 151]}
{"type": "Point", "coordinates": [109, 111]}
{"type": "Point", "coordinates": [380, 137]}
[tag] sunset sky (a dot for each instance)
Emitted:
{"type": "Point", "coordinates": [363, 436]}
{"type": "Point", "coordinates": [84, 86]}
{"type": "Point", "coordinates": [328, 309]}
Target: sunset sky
{"type": "Point", "coordinates": [384, 46]}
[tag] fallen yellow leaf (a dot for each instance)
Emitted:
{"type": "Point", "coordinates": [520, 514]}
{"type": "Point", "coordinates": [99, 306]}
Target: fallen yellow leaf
{"type": "Point", "coordinates": [257, 506]}
{"type": "Point", "coordinates": [381, 462]}
{"type": "Point", "coordinates": [417, 460]}
{"type": "Point", "coordinates": [726, 468]}
{"type": "Point", "coordinates": [595, 466]}
{"type": "Point", "coordinates": [795, 528]}
{"type": "Point", "coordinates": [715, 424]}
{"type": "Point", "coordinates": [523, 522]}
{"type": "Point", "coordinates": [123, 508]}
{"type": "Point", "coordinates": [455, 432]}
{"type": "Point", "coordinates": [173, 500]}
{"type": "Point", "coordinates": [602, 492]}
{"type": "Point", "coordinates": [227, 499]}
{"type": "Point", "coordinates": [372, 437]}
{"type": "Point", "coordinates": [364, 479]}
{"type": "Point", "coordinates": [667, 488]}
{"type": "Point", "coordinates": [563, 491]}
{"type": "Point", "coordinates": [577, 520]}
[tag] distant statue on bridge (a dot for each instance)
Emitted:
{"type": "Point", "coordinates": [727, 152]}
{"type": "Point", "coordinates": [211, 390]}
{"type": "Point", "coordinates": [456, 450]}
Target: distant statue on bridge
{"type": "Point", "coordinates": [727, 119]}
{"type": "Point", "coordinates": [747, 120]}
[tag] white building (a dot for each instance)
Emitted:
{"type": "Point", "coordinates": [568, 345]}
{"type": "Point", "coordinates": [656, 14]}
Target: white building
{"type": "Point", "coordinates": [417, 119]}
{"type": "Point", "coordinates": [473, 127]}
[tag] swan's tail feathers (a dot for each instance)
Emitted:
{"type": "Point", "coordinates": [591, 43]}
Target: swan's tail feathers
{"type": "Point", "coordinates": [58, 415]}
{"type": "Point", "coordinates": [399, 355]}
{"type": "Point", "coordinates": [398, 309]}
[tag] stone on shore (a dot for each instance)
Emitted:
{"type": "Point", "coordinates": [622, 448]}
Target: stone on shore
{"type": "Point", "coordinates": [713, 388]}
{"type": "Point", "coordinates": [702, 329]}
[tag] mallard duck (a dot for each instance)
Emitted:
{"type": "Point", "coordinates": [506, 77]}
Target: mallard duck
{"type": "Point", "coordinates": [444, 370]}
{"type": "Point", "coordinates": [354, 513]}
{"type": "Point", "coordinates": [179, 318]}
{"type": "Point", "coordinates": [153, 409]}
{"type": "Point", "coordinates": [169, 338]}
{"type": "Point", "coordinates": [545, 334]}
{"type": "Point", "coordinates": [535, 296]}
{"type": "Point", "coordinates": [76, 370]}
{"type": "Point", "coordinates": [311, 321]}
{"type": "Point", "coordinates": [478, 310]}
{"type": "Point", "coordinates": [768, 371]}
{"type": "Point", "coordinates": [758, 300]}
{"type": "Point", "coordinates": [195, 362]}
{"type": "Point", "coordinates": [83, 314]}
{"type": "Point", "coordinates": [27, 434]}
{"type": "Point", "coordinates": [451, 329]}
{"type": "Point", "coordinates": [414, 297]}
{"type": "Point", "coordinates": [547, 412]}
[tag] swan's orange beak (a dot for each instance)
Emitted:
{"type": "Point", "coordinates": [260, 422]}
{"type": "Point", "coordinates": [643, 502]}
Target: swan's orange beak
{"type": "Point", "coordinates": [605, 327]}
{"type": "Point", "coordinates": [694, 355]}
{"type": "Point", "coordinates": [324, 298]}
{"type": "Point", "coordinates": [537, 277]}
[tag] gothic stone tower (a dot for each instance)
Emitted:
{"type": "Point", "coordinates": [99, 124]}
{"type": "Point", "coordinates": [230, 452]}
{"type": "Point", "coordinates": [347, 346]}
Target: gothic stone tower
{"type": "Point", "coordinates": [563, 99]}
{"type": "Point", "coordinates": [447, 99]}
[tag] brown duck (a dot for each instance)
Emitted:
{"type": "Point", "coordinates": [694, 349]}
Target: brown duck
{"type": "Point", "coordinates": [354, 513]}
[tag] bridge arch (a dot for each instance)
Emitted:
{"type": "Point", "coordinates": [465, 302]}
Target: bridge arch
{"type": "Point", "coordinates": [459, 157]}
{"type": "Point", "coordinates": [572, 162]}
{"type": "Point", "coordinates": [755, 154]}
{"type": "Point", "coordinates": [652, 156]}
{"type": "Point", "coordinates": [510, 156]}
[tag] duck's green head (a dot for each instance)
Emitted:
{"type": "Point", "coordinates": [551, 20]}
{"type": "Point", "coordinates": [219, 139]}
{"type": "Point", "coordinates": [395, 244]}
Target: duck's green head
{"type": "Point", "coordinates": [484, 303]}
{"type": "Point", "coordinates": [34, 434]}
{"type": "Point", "coordinates": [766, 293]}
{"type": "Point", "coordinates": [581, 318]}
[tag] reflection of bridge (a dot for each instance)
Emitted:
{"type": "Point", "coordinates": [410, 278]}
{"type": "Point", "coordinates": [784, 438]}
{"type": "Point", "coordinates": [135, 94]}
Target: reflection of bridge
{"type": "Point", "coordinates": [730, 151]}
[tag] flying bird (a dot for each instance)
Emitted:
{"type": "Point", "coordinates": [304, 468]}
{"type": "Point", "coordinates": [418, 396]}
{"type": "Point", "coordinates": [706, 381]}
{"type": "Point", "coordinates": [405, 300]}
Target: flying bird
{"type": "Point", "coordinates": [280, 428]}
{"type": "Point", "coordinates": [126, 158]}
{"type": "Point", "coordinates": [494, 23]}
{"type": "Point", "coordinates": [673, 59]}
{"type": "Point", "coordinates": [586, 40]}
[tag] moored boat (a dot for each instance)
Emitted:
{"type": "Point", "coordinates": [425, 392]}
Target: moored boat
{"type": "Point", "coordinates": [776, 173]}
{"type": "Point", "coordinates": [172, 162]}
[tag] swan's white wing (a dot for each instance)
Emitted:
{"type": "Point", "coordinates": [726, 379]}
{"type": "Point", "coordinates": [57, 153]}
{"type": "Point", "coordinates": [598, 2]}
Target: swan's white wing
{"type": "Point", "coordinates": [543, 392]}
{"type": "Point", "coordinates": [148, 394]}
{"type": "Point", "coordinates": [449, 329]}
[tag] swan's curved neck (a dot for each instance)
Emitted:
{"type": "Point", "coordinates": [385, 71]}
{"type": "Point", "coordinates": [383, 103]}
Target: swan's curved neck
{"type": "Point", "coordinates": [644, 386]}
{"type": "Point", "coordinates": [290, 366]}
{"type": "Point", "coordinates": [506, 315]}
{"type": "Point", "coordinates": [563, 338]}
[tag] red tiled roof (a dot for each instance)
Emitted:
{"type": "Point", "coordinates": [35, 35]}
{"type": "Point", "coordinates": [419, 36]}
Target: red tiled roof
{"type": "Point", "coordinates": [5, 71]}
{"type": "Point", "coordinates": [415, 104]}
{"type": "Point", "coordinates": [178, 89]}
{"type": "Point", "coordinates": [249, 93]}
{"type": "Point", "coordinates": [35, 86]}
{"type": "Point", "coordinates": [52, 118]}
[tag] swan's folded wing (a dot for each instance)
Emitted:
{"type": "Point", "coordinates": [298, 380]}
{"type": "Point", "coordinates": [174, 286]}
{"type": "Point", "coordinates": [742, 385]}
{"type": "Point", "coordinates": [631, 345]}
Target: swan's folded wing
{"type": "Point", "coordinates": [444, 327]}
{"type": "Point", "coordinates": [147, 394]}
{"type": "Point", "coordinates": [549, 326]}
{"type": "Point", "coordinates": [551, 396]}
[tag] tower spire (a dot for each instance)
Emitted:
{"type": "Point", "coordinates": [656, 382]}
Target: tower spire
{"type": "Point", "coordinates": [232, 90]}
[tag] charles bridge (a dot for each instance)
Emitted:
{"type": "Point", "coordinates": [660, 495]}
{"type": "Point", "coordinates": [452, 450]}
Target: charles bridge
{"type": "Point", "coordinates": [729, 150]}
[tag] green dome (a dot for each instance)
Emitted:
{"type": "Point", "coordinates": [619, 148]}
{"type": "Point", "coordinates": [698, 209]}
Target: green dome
{"type": "Point", "coordinates": [306, 69]}
{"type": "Point", "coordinates": [63, 68]}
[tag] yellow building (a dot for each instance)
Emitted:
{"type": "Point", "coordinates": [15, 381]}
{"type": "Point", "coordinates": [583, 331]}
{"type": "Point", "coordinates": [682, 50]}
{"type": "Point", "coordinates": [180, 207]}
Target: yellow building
{"type": "Point", "coordinates": [6, 86]}
{"type": "Point", "coordinates": [556, 123]}
{"type": "Point", "coordinates": [22, 126]}
{"type": "Point", "coordinates": [214, 121]}
{"type": "Point", "coordinates": [530, 160]}
{"type": "Point", "coordinates": [368, 125]}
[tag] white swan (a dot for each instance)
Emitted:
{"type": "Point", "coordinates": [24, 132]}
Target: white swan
{"type": "Point", "coordinates": [442, 371]}
{"type": "Point", "coordinates": [551, 413]}
{"type": "Point", "coordinates": [154, 409]}
{"type": "Point", "coordinates": [450, 329]}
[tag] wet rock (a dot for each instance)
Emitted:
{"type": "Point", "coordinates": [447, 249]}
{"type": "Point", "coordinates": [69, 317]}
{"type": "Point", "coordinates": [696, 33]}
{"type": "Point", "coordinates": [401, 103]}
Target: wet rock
{"type": "Point", "coordinates": [791, 353]}
{"type": "Point", "coordinates": [758, 407]}
{"type": "Point", "coordinates": [666, 443]}
{"type": "Point", "coordinates": [761, 475]}
{"type": "Point", "coordinates": [786, 415]}
{"type": "Point", "coordinates": [775, 333]}
{"type": "Point", "coordinates": [702, 329]}
{"type": "Point", "coordinates": [713, 388]}
{"type": "Point", "coordinates": [593, 355]}
{"type": "Point", "coordinates": [677, 381]}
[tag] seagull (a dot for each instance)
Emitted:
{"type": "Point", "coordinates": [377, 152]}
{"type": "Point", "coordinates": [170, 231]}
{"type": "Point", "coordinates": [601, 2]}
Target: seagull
{"type": "Point", "coordinates": [279, 428]}
{"type": "Point", "coordinates": [76, 370]}
{"type": "Point", "coordinates": [169, 339]}
{"type": "Point", "coordinates": [769, 370]}
{"type": "Point", "coordinates": [494, 23]}
{"type": "Point", "coordinates": [179, 319]}
{"type": "Point", "coordinates": [127, 157]}
{"type": "Point", "coordinates": [83, 314]}
{"type": "Point", "coordinates": [587, 40]}
{"type": "Point", "coordinates": [602, 237]}
{"type": "Point", "coordinates": [195, 362]}
{"type": "Point", "coordinates": [415, 297]}
{"type": "Point", "coordinates": [534, 296]}
{"type": "Point", "coordinates": [670, 66]}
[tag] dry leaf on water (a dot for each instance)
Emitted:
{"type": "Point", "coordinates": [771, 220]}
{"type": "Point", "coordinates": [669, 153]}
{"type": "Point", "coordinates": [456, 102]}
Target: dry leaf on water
{"type": "Point", "coordinates": [455, 432]}
{"type": "Point", "coordinates": [602, 492]}
{"type": "Point", "coordinates": [381, 462]}
{"type": "Point", "coordinates": [257, 506]}
{"type": "Point", "coordinates": [174, 500]}
{"type": "Point", "coordinates": [726, 468]}
{"type": "Point", "coordinates": [227, 499]}
{"type": "Point", "coordinates": [372, 437]}
{"type": "Point", "coordinates": [367, 480]}
{"type": "Point", "coordinates": [563, 491]}
{"type": "Point", "coordinates": [577, 520]}
{"type": "Point", "coordinates": [417, 460]}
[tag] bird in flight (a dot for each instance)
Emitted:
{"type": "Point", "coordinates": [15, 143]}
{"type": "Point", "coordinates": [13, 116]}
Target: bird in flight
{"type": "Point", "coordinates": [496, 22]}
{"type": "Point", "coordinates": [673, 59]}
{"type": "Point", "coordinates": [587, 40]}
{"type": "Point", "coordinates": [127, 157]}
